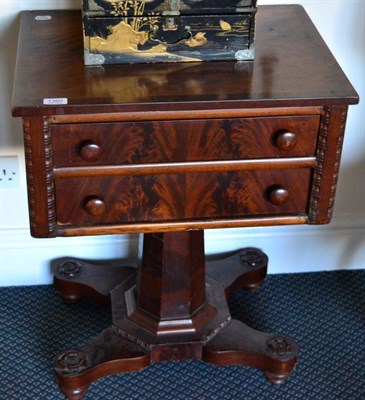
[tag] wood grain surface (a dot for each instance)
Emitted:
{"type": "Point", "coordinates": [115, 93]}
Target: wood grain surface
{"type": "Point", "coordinates": [181, 141]}
{"type": "Point", "coordinates": [292, 66]}
{"type": "Point", "coordinates": [181, 196]}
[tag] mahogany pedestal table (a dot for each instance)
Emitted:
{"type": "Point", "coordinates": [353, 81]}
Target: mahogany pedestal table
{"type": "Point", "coordinates": [167, 151]}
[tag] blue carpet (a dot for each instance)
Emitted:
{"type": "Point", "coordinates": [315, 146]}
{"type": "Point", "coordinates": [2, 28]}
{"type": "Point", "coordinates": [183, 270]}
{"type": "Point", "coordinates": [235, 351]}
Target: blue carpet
{"type": "Point", "coordinates": [324, 312]}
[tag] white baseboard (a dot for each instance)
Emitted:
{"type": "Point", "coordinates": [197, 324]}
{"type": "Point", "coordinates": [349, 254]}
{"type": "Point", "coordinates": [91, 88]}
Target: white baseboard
{"type": "Point", "coordinates": [25, 260]}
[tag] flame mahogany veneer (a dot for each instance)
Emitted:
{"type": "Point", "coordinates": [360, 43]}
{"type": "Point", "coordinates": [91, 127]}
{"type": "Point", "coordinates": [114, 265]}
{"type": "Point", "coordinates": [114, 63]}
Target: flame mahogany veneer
{"type": "Point", "coordinates": [169, 150]}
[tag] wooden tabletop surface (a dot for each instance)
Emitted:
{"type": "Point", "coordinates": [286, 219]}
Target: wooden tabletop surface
{"type": "Point", "coordinates": [292, 67]}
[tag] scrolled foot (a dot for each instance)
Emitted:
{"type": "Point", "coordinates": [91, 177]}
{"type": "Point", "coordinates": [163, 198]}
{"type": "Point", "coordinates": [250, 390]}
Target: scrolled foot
{"type": "Point", "coordinates": [108, 354]}
{"type": "Point", "coordinates": [254, 261]}
{"type": "Point", "coordinates": [238, 344]}
{"type": "Point", "coordinates": [75, 279]}
{"type": "Point", "coordinates": [245, 269]}
{"type": "Point", "coordinates": [283, 349]}
{"type": "Point", "coordinates": [70, 364]}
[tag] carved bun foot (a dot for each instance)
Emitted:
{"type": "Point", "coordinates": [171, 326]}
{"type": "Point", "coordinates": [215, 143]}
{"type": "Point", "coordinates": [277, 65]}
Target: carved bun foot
{"type": "Point", "coordinates": [108, 354]}
{"type": "Point", "coordinates": [277, 379]}
{"type": "Point", "coordinates": [73, 394]}
{"type": "Point", "coordinates": [239, 344]}
{"type": "Point", "coordinates": [245, 269]}
{"type": "Point", "coordinates": [75, 279]}
{"type": "Point", "coordinates": [69, 298]}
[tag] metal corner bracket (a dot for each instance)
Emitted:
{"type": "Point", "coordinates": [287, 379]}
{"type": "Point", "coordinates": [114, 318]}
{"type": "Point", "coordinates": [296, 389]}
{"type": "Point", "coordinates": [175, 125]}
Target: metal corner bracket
{"type": "Point", "coordinates": [92, 58]}
{"type": "Point", "coordinates": [245, 55]}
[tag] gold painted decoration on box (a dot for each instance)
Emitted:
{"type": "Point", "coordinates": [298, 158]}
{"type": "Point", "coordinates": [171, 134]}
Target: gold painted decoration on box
{"type": "Point", "coordinates": [134, 31]}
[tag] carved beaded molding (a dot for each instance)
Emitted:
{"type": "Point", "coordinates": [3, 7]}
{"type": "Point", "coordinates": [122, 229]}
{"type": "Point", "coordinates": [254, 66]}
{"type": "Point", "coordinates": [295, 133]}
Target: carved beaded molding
{"type": "Point", "coordinates": [147, 346]}
{"type": "Point", "coordinates": [337, 162]}
{"type": "Point", "coordinates": [318, 172]}
{"type": "Point", "coordinates": [49, 177]}
{"type": "Point", "coordinates": [30, 173]}
{"type": "Point", "coordinates": [317, 177]}
{"type": "Point", "coordinates": [48, 153]}
{"type": "Point", "coordinates": [217, 330]}
{"type": "Point", "coordinates": [134, 339]}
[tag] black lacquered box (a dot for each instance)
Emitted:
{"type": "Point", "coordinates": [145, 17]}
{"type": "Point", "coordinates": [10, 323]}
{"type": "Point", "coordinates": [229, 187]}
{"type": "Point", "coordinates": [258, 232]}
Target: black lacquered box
{"type": "Point", "coordinates": [136, 31]}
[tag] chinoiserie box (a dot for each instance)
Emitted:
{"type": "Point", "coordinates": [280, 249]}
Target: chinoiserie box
{"type": "Point", "coordinates": [140, 31]}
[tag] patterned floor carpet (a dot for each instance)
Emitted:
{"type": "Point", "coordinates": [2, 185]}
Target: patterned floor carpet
{"type": "Point", "coordinates": [324, 312]}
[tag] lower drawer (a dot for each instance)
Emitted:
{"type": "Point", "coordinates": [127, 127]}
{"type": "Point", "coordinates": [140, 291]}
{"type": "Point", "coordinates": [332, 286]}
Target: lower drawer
{"type": "Point", "coordinates": [178, 197]}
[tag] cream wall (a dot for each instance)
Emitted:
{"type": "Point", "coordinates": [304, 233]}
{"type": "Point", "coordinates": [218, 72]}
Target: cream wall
{"type": "Point", "coordinates": [340, 245]}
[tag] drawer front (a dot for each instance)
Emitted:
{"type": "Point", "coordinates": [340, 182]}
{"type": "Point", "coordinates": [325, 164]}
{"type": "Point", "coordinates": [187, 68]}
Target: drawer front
{"type": "Point", "coordinates": [179, 197]}
{"type": "Point", "coordinates": [126, 143]}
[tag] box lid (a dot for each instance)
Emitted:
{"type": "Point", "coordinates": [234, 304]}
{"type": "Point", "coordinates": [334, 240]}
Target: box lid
{"type": "Point", "coordinates": [166, 7]}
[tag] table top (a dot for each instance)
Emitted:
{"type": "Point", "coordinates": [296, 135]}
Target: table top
{"type": "Point", "coordinates": [292, 67]}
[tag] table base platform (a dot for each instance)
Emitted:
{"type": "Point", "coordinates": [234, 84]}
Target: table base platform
{"type": "Point", "coordinates": [163, 312]}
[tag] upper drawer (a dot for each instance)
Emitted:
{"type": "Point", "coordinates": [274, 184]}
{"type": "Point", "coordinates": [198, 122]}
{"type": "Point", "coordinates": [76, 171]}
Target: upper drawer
{"type": "Point", "coordinates": [185, 140]}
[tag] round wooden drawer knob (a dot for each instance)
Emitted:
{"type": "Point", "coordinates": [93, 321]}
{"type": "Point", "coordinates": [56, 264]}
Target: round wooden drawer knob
{"type": "Point", "coordinates": [278, 195]}
{"type": "Point", "coordinates": [286, 140]}
{"type": "Point", "coordinates": [95, 206]}
{"type": "Point", "coordinates": [90, 151]}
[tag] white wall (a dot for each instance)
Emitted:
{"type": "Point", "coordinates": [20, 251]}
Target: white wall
{"type": "Point", "coordinates": [340, 245]}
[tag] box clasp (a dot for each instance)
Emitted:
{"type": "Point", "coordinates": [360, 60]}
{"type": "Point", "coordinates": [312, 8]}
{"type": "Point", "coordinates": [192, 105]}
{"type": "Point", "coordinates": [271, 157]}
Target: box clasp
{"type": "Point", "coordinates": [169, 24]}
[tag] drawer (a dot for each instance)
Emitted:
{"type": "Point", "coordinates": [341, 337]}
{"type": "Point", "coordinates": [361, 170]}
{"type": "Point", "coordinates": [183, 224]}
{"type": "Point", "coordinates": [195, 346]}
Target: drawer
{"type": "Point", "coordinates": [178, 197]}
{"type": "Point", "coordinates": [186, 140]}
